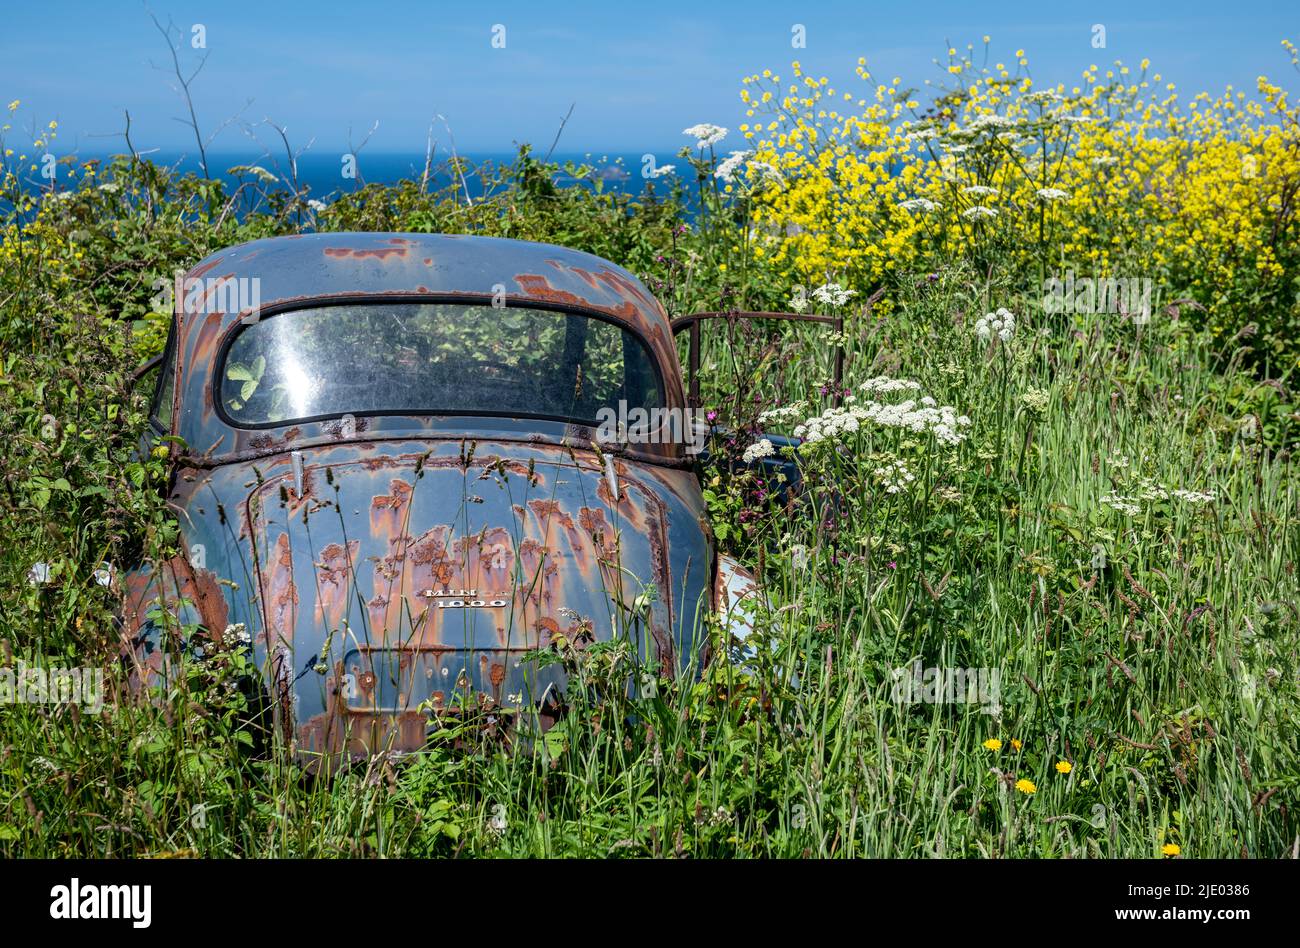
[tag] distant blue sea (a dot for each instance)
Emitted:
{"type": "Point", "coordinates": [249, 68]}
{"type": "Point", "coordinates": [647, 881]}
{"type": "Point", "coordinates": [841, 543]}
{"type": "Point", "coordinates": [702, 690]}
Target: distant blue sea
{"type": "Point", "coordinates": [323, 173]}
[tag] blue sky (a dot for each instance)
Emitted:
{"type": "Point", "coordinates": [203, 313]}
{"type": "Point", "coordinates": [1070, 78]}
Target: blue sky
{"type": "Point", "coordinates": [636, 73]}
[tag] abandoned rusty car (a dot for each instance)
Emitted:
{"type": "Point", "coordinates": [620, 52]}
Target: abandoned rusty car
{"type": "Point", "coordinates": [391, 478]}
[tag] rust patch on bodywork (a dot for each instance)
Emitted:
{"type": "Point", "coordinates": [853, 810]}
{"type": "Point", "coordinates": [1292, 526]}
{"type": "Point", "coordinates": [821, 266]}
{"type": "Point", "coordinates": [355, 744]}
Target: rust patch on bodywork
{"type": "Point", "coordinates": [382, 254]}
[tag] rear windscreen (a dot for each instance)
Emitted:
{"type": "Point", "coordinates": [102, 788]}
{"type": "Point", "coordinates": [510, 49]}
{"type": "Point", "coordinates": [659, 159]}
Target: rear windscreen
{"type": "Point", "coordinates": [433, 358]}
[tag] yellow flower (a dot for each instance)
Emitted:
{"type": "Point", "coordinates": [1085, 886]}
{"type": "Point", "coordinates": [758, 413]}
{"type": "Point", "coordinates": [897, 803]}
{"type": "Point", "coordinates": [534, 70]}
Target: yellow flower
{"type": "Point", "coordinates": [1064, 766]}
{"type": "Point", "coordinates": [1026, 786]}
{"type": "Point", "coordinates": [1171, 849]}
{"type": "Point", "coordinates": [13, 106]}
{"type": "Point", "coordinates": [1015, 744]}
{"type": "Point", "coordinates": [993, 744]}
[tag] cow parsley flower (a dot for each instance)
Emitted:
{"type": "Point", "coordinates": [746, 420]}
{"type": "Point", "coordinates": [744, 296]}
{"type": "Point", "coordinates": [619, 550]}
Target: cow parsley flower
{"type": "Point", "coordinates": [832, 294]}
{"type": "Point", "coordinates": [705, 134]}
{"type": "Point", "coordinates": [782, 414]}
{"type": "Point", "coordinates": [1051, 194]}
{"type": "Point", "coordinates": [1121, 503]}
{"type": "Point", "coordinates": [894, 476]}
{"type": "Point", "coordinates": [1036, 400]}
{"type": "Point", "coordinates": [883, 385]}
{"type": "Point", "coordinates": [764, 173]}
{"type": "Point", "coordinates": [1001, 323]}
{"type": "Point", "coordinates": [759, 449]}
{"type": "Point", "coordinates": [988, 120]}
{"type": "Point", "coordinates": [925, 205]}
{"type": "Point", "coordinates": [940, 421]}
{"type": "Point", "coordinates": [979, 213]}
{"type": "Point", "coordinates": [729, 167]}
{"type": "Point", "coordinates": [661, 170]}
{"type": "Point", "coordinates": [980, 190]}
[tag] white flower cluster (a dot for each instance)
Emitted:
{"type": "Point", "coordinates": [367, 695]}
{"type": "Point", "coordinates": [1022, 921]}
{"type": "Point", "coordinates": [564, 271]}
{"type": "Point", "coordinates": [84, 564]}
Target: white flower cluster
{"type": "Point", "coordinates": [979, 213]}
{"type": "Point", "coordinates": [1052, 194]}
{"type": "Point", "coordinates": [1150, 490]}
{"type": "Point", "coordinates": [1125, 505]}
{"type": "Point", "coordinates": [760, 172]}
{"type": "Point", "coordinates": [1001, 323]}
{"type": "Point", "coordinates": [925, 205]}
{"type": "Point", "coordinates": [235, 635]}
{"type": "Point", "coordinates": [988, 120]}
{"type": "Point", "coordinates": [980, 190]}
{"type": "Point", "coordinates": [705, 134]}
{"type": "Point", "coordinates": [759, 449]}
{"type": "Point", "coordinates": [764, 173]}
{"type": "Point", "coordinates": [661, 170]}
{"type": "Point", "coordinates": [894, 477]}
{"type": "Point", "coordinates": [924, 417]}
{"type": "Point", "coordinates": [729, 167]}
{"type": "Point", "coordinates": [884, 385]}
{"type": "Point", "coordinates": [783, 414]}
{"type": "Point", "coordinates": [832, 294]}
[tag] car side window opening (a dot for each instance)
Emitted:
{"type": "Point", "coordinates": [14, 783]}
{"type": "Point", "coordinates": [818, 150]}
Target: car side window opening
{"type": "Point", "coordinates": [160, 412]}
{"type": "Point", "coordinates": [434, 358]}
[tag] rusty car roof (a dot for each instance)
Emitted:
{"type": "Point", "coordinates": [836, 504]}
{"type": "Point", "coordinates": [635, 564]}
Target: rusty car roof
{"type": "Point", "coordinates": [309, 269]}
{"type": "Point", "coordinates": [311, 266]}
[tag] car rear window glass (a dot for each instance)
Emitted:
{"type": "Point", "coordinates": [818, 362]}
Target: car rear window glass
{"type": "Point", "coordinates": [433, 358]}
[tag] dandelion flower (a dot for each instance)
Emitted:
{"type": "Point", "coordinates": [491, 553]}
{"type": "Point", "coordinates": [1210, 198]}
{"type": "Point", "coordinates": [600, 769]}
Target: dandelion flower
{"type": "Point", "coordinates": [1064, 766]}
{"type": "Point", "coordinates": [1171, 849]}
{"type": "Point", "coordinates": [1026, 786]}
{"type": "Point", "coordinates": [993, 744]}
{"type": "Point", "coordinates": [1015, 743]}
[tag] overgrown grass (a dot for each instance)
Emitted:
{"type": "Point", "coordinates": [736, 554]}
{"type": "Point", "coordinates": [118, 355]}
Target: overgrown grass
{"type": "Point", "coordinates": [1145, 641]}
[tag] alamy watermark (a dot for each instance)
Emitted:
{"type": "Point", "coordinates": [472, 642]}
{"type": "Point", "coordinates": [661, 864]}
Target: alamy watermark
{"type": "Point", "coordinates": [623, 425]}
{"type": "Point", "coordinates": [205, 295]}
{"type": "Point", "coordinates": [913, 684]}
{"type": "Point", "coordinates": [1129, 296]}
{"type": "Point", "coordinates": [32, 684]}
